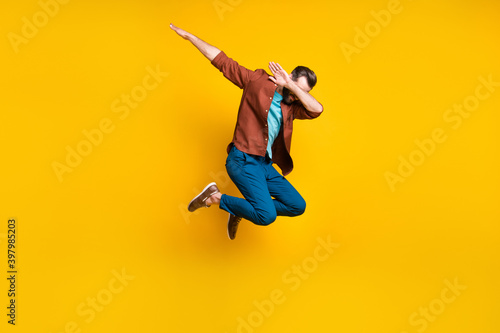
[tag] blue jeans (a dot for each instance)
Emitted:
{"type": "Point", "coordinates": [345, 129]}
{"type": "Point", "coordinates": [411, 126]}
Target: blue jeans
{"type": "Point", "coordinates": [258, 181]}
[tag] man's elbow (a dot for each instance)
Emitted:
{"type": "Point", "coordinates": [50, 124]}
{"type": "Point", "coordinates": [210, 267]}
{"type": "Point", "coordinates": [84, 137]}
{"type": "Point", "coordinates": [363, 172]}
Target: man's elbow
{"type": "Point", "coordinates": [317, 109]}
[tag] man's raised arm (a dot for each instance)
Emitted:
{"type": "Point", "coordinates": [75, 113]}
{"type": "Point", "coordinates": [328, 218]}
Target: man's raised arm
{"type": "Point", "coordinates": [208, 50]}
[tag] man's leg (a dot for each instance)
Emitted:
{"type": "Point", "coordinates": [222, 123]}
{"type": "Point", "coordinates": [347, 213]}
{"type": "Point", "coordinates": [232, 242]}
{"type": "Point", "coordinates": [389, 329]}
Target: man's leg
{"type": "Point", "coordinates": [288, 201]}
{"type": "Point", "coordinates": [248, 174]}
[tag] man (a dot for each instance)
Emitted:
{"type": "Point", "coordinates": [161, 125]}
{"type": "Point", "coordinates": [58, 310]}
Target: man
{"type": "Point", "coordinates": [262, 136]}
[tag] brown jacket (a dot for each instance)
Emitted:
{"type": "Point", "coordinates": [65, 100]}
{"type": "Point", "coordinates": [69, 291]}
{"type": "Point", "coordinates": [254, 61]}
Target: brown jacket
{"type": "Point", "coordinates": [251, 132]}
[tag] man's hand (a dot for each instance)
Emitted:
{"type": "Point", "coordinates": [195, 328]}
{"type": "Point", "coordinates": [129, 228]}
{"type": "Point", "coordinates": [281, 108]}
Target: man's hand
{"type": "Point", "coordinates": [208, 50]}
{"type": "Point", "coordinates": [281, 77]}
{"type": "Point", "coordinates": [184, 34]}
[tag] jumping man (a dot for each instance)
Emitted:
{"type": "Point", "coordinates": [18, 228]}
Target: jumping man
{"type": "Point", "coordinates": [262, 136]}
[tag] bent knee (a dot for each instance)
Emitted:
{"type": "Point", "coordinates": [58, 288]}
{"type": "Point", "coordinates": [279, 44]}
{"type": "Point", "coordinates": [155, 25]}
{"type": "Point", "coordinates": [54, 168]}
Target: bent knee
{"type": "Point", "coordinates": [299, 207]}
{"type": "Point", "coordinates": [266, 218]}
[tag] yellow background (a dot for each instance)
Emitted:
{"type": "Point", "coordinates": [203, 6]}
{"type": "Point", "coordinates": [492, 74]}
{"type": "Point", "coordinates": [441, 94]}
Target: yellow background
{"type": "Point", "coordinates": [123, 207]}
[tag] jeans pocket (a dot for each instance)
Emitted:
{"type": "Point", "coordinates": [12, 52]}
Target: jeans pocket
{"type": "Point", "coordinates": [237, 155]}
{"type": "Point", "coordinates": [235, 163]}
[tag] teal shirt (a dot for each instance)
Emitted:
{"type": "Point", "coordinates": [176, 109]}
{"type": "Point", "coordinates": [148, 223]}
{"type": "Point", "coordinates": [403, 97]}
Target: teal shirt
{"type": "Point", "coordinates": [274, 119]}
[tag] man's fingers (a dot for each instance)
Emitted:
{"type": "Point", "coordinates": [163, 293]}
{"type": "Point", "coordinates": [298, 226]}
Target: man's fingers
{"type": "Point", "coordinates": [281, 68]}
{"type": "Point", "coordinates": [276, 68]}
{"type": "Point", "coordinates": [271, 67]}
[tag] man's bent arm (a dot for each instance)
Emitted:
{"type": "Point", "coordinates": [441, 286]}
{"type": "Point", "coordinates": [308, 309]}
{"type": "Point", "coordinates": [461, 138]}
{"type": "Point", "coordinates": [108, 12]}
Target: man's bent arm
{"type": "Point", "coordinates": [281, 78]}
{"type": "Point", "coordinates": [208, 50]}
{"type": "Point", "coordinates": [309, 102]}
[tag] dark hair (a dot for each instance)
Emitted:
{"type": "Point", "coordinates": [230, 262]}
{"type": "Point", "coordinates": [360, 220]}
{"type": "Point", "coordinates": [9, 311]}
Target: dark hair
{"type": "Point", "coordinates": [307, 73]}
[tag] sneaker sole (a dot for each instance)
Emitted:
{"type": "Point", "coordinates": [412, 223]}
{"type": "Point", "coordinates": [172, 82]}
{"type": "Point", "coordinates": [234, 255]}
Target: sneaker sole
{"type": "Point", "coordinates": [228, 235]}
{"type": "Point", "coordinates": [229, 219]}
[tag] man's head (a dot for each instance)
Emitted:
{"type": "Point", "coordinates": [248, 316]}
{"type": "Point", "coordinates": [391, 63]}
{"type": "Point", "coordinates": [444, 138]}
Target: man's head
{"type": "Point", "coordinates": [304, 78]}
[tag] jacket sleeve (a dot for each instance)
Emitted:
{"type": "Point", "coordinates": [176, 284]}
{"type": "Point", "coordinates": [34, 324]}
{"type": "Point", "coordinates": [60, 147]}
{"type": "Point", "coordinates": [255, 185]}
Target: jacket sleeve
{"type": "Point", "coordinates": [300, 112]}
{"type": "Point", "coordinates": [233, 71]}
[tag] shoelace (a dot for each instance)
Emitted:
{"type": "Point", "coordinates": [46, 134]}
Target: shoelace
{"type": "Point", "coordinates": [208, 196]}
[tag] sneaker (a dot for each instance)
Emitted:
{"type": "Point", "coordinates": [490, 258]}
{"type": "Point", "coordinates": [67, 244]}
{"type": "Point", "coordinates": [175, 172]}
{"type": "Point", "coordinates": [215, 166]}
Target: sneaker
{"type": "Point", "coordinates": [200, 200]}
{"type": "Point", "coordinates": [232, 225]}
